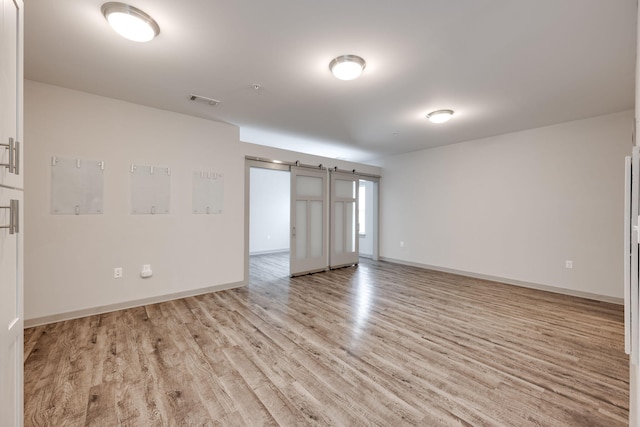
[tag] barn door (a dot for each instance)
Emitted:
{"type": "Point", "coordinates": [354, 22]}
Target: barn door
{"type": "Point", "coordinates": [308, 221]}
{"type": "Point", "coordinates": [344, 220]}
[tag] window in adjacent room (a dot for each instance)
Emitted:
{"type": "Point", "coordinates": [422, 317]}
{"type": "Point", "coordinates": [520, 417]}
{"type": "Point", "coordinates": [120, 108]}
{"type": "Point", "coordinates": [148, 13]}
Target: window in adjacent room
{"type": "Point", "coordinates": [361, 210]}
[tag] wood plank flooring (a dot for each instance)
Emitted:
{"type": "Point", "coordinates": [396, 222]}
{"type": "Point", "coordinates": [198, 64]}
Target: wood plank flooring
{"type": "Point", "coordinates": [380, 344]}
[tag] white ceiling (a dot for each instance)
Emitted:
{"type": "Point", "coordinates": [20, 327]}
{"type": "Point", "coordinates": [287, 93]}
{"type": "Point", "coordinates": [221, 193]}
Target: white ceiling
{"type": "Point", "coordinates": [502, 65]}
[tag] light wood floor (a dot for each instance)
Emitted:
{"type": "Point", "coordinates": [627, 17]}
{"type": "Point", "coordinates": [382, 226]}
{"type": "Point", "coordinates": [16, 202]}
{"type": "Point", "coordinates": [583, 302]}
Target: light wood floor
{"type": "Point", "coordinates": [380, 344]}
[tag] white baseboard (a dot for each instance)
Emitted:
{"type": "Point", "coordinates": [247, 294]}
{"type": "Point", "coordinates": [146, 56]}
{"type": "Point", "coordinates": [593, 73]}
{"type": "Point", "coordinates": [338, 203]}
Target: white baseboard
{"type": "Point", "coordinates": [563, 291]}
{"type": "Point", "coordinates": [272, 251]}
{"type": "Point", "coordinates": [29, 323]}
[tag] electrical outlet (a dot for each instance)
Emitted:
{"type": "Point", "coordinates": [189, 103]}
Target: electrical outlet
{"type": "Point", "coordinates": [568, 264]}
{"type": "Point", "coordinates": [146, 271]}
{"type": "Point", "coordinates": [117, 273]}
{"type": "Point", "coordinates": [402, 243]}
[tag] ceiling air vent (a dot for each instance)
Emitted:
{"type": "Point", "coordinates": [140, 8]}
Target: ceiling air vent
{"type": "Point", "coordinates": [204, 99]}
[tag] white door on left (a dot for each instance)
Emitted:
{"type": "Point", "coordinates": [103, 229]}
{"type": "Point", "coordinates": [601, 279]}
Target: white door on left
{"type": "Point", "coordinates": [11, 212]}
{"type": "Point", "coordinates": [11, 322]}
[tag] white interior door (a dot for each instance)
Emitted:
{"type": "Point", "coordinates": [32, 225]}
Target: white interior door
{"type": "Point", "coordinates": [11, 323]}
{"type": "Point", "coordinates": [308, 221]}
{"type": "Point", "coordinates": [631, 238]}
{"type": "Point", "coordinates": [10, 152]}
{"type": "Point", "coordinates": [344, 220]}
{"type": "Point", "coordinates": [632, 279]}
{"type": "Point", "coordinates": [11, 196]}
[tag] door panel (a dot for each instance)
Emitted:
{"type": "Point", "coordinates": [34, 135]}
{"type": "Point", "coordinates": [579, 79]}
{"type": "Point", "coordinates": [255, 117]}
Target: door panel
{"type": "Point", "coordinates": [344, 223]}
{"type": "Point", "coordinates": [308, 216]}
{"type": "Point", "coordinates": [11, 323]}
{"type": "Point", "coordinates": [627, 255]}
{"type": "Point", "coordinates": [634, 283]}
{"type": "Point", "coordinates": [10, 66]}
{"type": "Point", "coordinates": [300, 233]}
{"type": "Point", "coordinates": [11, 304]}
{"type": "Point", "coordinates": [337, 227]}
{"type": "Point", "coordinates": [316, 230]}
{"type": "Point", "coordinates": [632, 280]}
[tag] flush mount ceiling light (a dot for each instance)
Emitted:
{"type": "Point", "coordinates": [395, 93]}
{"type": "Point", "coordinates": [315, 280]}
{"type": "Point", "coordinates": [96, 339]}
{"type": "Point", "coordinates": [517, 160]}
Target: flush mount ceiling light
{"type": "Point", "coordinates": [440, 116]}
{"type": "Point", "coordinates": [130, 22]}
{"type": "Point", "coordinates": [347, 67]}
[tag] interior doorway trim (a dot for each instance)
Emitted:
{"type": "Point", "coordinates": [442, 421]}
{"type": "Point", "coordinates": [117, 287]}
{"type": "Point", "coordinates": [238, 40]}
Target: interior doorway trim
{"type": "Point", "coordinates": [264, 163]}
{"type": "Point", "coordinates": [261, 162]}
{"type": "Point", "coordinates": [375, 214]}
{"type": "Point", "coordinates": [254, 162]}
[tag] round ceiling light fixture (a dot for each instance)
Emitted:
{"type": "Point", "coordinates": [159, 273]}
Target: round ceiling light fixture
{"type": "Point", "coordinates": [347, 67]}
{"type": "Point", "coordinates": [440, 116]}
{"type": "Point", "coordinates": [130, 22]}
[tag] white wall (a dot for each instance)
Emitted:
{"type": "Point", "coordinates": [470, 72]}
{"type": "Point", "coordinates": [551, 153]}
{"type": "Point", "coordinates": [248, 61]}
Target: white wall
{"type": "Point", "coordinates": [69, 260]}
{"type": "Point", "coordinates": [515, 206]}
{"type": "Point", "coordinates": [270, 210]}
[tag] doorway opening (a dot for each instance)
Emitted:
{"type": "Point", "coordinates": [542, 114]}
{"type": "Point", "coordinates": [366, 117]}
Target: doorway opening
{"type": "Point", "coordinates": [301, 219]}
{"type": "Point", "coordinates": [269, 222]}
{"type": "Point", "coordinates": [368, 218]}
